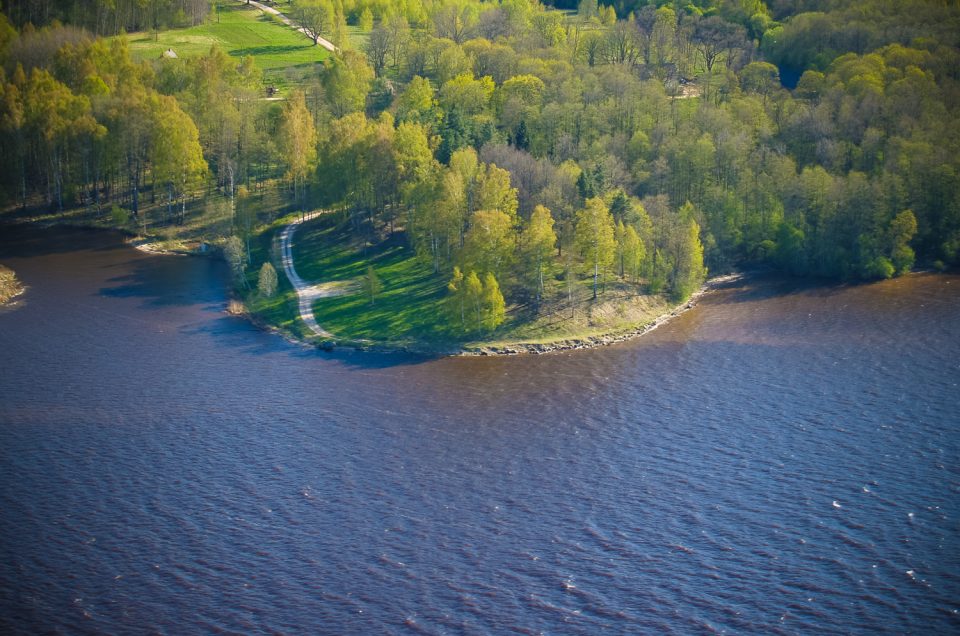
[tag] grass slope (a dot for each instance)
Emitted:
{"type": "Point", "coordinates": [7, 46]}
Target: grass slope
{"type": "Point", "coordinates": [239, 30]}
{"type": "Point", "coordinates": [409, 308]}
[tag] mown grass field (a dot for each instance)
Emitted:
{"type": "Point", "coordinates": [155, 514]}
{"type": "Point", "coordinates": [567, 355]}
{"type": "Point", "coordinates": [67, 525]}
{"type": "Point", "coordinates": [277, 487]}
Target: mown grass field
{"type": "Point", "coordinates": [408, 309]}
{"type": "Point", "coordinates": [239, 30]}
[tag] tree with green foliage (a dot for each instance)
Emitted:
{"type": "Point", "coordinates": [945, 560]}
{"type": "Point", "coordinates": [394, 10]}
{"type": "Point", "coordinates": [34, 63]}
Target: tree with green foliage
{"type": "Point", "coordinates": [687, 256]}
{"type": "Point", "coordinates": [457, 298]}
{"type": "Point", "coordinates": [901, 231]}
{"type": "Point", "coordinates": [346, 81]}
{"type": "Point", "coordinates": [418, 104]}
{"type": "Point", "coordinates": [490, 242]}
{"type": "Point", "coordinates": [177, 157]}
{"type": "Point", "coordinates": [633, 253]}
{"type": "Point", "coordinates": [315, 17]}
{"type": "Point", "coordinates": [267, 281]}
{"type": "Point", "coordinates": [54, 119]}
{"type": "Point", "coordinates": [236, 258]}
{"type": "Point", "coordinates": [473, 296]}
{"type": "Point", "coordinates": [594, 238]}
{"type": "Point", "coordinates": [494, 307]}
{"type": "Point", "coordinates": [539, 242]}
{"type": "Point", "coordinates": [365, 20]}
{"type": "Point", "coordinates": [494, 192]}
{"type": "Point", "coordinates": [297, 141]}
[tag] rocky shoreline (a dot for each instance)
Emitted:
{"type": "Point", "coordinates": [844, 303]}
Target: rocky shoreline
{"type": "Point", "coordinates": [602, 340]}
{"type": "Point", "coordinates": [517, 348]}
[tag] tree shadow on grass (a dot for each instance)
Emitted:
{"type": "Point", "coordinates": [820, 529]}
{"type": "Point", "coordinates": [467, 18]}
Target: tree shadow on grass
{"type": "Point", "coordinates": [275, 49]}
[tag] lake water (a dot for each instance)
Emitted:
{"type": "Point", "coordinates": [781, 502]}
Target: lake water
{"type": "Point", "coordinates": [781, 459]}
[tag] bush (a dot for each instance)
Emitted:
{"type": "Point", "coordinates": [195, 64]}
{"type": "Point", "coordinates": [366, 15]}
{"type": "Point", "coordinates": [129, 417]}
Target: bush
{"type": "Point", "coordinates": [119, 216]}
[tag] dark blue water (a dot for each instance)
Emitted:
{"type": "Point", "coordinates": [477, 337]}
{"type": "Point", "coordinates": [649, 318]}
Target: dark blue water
{"type": "Point", "coordinates": [781, 459]}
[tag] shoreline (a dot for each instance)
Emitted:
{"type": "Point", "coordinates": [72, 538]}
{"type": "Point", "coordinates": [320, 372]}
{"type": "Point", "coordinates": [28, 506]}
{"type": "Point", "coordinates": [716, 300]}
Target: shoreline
{"type": "Point", "coordinates": [574, 343]}
{"type": "Point", "coordinates": [307, 293]}
{"type": "Point", "coordinates": [493, 348]}
{"type": "Point", "coordinates": [237, 307]}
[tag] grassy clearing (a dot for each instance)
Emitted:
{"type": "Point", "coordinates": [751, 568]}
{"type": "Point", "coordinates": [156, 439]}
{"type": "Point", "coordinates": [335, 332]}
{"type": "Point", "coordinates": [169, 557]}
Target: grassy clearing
{"type": "Point", "coordinates": [239, 30]}
{"type": "Point", "coordinates": [357, 37]}
{"type": "Point", "coordinates": [409, 308]}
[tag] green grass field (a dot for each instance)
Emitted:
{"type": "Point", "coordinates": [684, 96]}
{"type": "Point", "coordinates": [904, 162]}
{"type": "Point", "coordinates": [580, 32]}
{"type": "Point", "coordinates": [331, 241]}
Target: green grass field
{"type": "Point", "coordinates": [409, 308]}
{"type": "Point", "coordinates": [239, 30]}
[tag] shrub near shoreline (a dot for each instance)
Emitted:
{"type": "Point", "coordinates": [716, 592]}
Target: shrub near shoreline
{"type": "Point", "coordinates": [9, 285]}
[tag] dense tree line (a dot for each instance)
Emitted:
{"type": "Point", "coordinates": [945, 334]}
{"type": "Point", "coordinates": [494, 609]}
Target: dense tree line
{"type": "Point", "coordinates": [83, 125]}
{"type": "Point", "coordinates": [108, 17]}
{"type": "Point", "coordinates": [516, 147]}
{"type": "Point", "coordinates": [675, 118]}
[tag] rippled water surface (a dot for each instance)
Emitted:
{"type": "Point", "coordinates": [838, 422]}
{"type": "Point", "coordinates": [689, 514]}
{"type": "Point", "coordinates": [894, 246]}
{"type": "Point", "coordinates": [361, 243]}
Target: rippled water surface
{"type": "Point", "coordinates": [781, 459]}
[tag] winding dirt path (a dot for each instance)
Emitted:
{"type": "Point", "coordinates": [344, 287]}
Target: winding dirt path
{"type": "Point", "coordinates": [327, 44]}
{"type": "Point", "coordinates": [306, 293]}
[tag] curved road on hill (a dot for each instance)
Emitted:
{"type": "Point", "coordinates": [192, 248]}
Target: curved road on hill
{"type": "Point", "coordinates": [306, 293]}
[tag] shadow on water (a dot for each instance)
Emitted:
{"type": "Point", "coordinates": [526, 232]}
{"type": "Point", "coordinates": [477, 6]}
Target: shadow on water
{"type": "Point", "coordinates": [241, 334]}
{"type": "Point", "coordinates": [23, 241]}
{"type": "Point", "coordinates": [166, 281]}
{"type": "Point", "coordinates": [761, 286]}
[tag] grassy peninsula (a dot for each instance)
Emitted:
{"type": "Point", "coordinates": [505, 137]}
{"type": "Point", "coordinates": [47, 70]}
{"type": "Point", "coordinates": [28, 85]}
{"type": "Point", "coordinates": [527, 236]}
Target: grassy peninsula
{"type": "Point", "coordinates": [412, 310]}
{"type": "Point", "coordinates": [501, 172]}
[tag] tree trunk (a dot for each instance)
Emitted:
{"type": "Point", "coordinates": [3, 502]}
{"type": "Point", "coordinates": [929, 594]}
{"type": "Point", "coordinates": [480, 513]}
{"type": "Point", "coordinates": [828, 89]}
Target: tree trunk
{"type": "Point", "coordinates": [596, 273]}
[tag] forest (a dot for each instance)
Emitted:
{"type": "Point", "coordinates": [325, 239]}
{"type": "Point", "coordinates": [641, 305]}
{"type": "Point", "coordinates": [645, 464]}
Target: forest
{"type": "Point", "coordinates": [516, 149]}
